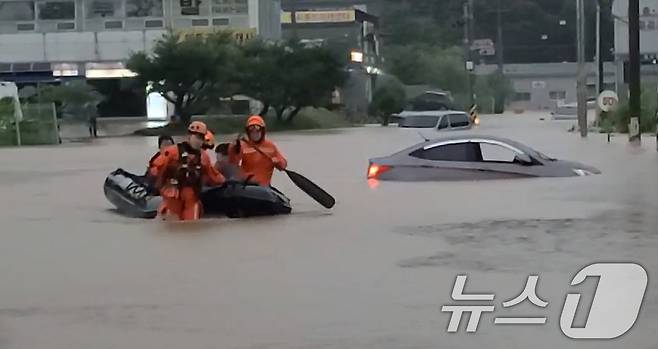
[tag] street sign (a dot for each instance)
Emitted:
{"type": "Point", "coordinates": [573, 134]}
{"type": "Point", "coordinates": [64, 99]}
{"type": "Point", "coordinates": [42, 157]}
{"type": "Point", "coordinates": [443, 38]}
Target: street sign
{"type": "Point", "coordinates": [481, 44]}
{"type": "Point", "coordinates": [608, 100]}
{"type": "Point", "coordinates": [485, 47]}
{"type": "Point", "coordinates": [470, 66]}
{"type": "Point", "coordinates": [634, 127]}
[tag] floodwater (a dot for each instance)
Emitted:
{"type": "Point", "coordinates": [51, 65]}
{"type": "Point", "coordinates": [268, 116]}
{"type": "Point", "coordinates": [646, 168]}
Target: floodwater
{"type": "Point", "coordinates": [371, 273]}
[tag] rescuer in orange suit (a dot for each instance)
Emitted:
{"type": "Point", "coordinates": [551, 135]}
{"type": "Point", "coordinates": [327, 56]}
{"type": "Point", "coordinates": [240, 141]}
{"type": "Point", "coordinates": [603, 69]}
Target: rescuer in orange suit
{"type": "Point", "coordinates": [181, 172]}
{"type": "Point", "coordinates": [257, 156]}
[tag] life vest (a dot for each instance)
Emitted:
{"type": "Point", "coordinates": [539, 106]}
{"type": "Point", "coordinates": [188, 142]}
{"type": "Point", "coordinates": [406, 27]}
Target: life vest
{"type": "Point", "coordinates": [186, 172]}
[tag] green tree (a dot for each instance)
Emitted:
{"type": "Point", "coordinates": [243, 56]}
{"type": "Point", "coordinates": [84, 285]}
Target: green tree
{"type": "Point", "coordinates": [440, 24]}
{"type": "Point", "coordinates": [621, 117]}
{"type": "Point", "coordinates": [426, 65]}
{"type": "Point", "coordinates": [389, 98]}
{"type": "Point", "coordinates": [77, 99]}
{"type": "Point", "coordinates": [428, 22]}
{"type": "Point", "coordinates": [501, 89]}
{"type": "Point", "coordinates": [190, 72]}
{"type": "Point", "coordinates": [311, 74]}
{"type": "Point", "coordinates": [260, 73]}
{"type": "Point", "coordinates": [290, 76]}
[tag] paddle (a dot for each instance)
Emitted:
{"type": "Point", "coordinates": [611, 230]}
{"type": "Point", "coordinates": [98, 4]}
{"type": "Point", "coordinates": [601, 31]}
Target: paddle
{"type": "Point", "coordinates": [306, 185]}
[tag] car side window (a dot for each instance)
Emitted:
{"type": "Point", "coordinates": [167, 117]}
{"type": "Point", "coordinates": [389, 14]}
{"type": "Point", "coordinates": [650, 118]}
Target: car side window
{"type": "Point", "coordinates": [449, 152]}
{"type": "Point", "coordinates": [444, 123]}
{"type": "Point", "coordinates": [459, 120]}
{"type": "Point", "coordinates": [496, 153]}
{"type": "Point", "coordinates": [420, 121]}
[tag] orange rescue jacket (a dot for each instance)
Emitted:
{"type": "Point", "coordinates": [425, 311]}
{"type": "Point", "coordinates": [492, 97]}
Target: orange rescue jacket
{"type": "Point", "coordinates": [254, 163]}
{"type": "Point", "coordinates": [166, 166]}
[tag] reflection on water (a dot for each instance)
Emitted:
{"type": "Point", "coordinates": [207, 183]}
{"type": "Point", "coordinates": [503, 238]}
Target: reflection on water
{"type": "Point", "coordinates": [373, 184]}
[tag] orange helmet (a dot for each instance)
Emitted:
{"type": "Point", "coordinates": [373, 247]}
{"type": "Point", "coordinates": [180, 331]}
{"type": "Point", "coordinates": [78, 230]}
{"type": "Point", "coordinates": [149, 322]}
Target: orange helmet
{"type": "Point", "coordinates": [209, 140]}
{"type": "Point", "coordinates": [198, 127]}
{"type": "Point", "coordinates": [255, 120]}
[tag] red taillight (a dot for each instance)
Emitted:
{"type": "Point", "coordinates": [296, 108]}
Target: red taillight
{"type": "Point", "coordinates": [375, 170]}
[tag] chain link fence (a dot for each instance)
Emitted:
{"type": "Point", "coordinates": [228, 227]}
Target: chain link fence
{"type": "Point", "coordinates": [38, 126]}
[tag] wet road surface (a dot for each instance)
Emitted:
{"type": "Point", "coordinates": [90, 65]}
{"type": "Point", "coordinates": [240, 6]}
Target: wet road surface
{"type": "Point", "coordinates": [371, 273]}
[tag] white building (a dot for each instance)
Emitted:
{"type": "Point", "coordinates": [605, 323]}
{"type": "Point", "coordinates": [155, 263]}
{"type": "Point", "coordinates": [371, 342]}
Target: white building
{"type": "Point", "coordinates": [648, 40]}
{"type": "Point", "coordinates": [92, 38]}
{"type": "Point", "coordinates": [543, 86]}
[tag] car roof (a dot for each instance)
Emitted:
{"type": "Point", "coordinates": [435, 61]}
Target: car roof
{"type": "Point", "coordinates": [431, 113]}
{"type": "Point", "coordinates": [473, 138]}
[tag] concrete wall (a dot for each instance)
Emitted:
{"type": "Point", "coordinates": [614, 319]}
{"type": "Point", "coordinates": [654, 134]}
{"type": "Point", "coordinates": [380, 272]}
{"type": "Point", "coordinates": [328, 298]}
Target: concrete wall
{"type": "Point", "coordinates": [90, 41]}
{"type": "Point", "coordinates": [342, 32]}
{"type": "Point", "coordinates": [648, 36]}
{"type": "Point", "coordinates": [75, 47]}
{"type": "Point", "coordinates": [546, 92]}
{"type": "Point", "coordinates": [269, 19]}
{"type": "Point", "coordinates": [541, 89]}
{"type": "Point", "coordinates": [370, 6]}
{"type": "Point", "coordinates": [540, 79]}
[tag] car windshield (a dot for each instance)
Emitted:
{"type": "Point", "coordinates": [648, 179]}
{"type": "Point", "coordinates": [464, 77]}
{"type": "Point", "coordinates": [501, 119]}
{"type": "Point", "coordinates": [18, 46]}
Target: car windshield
{"type": "Point", "coordinates": [544, 156]}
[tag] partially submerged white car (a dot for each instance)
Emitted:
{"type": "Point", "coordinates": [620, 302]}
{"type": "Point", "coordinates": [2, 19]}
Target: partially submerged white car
{"type": "Point", "coordinates": [447, 120]}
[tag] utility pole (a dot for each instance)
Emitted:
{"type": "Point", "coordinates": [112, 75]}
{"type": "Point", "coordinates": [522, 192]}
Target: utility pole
{"type": "Point", "coordinates": [499, 39]}
{"type": "Point", "coordinates": [293, 19]}
{"type": "Point", "coordinates": [468, 64]}
{"type": "Point", "coordinates": [471, 37]}
{"type": "Point", "coordinates": [599, 61]}
{"type": "Point", "coordinates": [582, 71]}
{"type": "Point", "coordinates": [634, 70]}
{"type": "Point", "coordinates": [471, 21]}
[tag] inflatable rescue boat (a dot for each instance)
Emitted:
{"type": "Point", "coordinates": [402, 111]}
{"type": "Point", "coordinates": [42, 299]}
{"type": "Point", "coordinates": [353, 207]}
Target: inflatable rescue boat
{"type": "Point", "coordinates": [133, 197]}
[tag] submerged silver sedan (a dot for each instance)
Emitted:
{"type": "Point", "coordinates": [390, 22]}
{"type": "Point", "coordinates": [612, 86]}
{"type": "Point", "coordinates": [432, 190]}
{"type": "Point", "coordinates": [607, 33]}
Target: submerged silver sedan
{"type": "Point", "coordinates": [471, 158]}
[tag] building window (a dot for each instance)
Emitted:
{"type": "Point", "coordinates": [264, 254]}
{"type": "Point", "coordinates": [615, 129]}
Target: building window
{"type": "Point", "coordinates": [643, 25]}
{"type": "Point", "coordinates": [25, 27]}
{"type": "Point", "coordinates": [105, 8]}
{"type": "Point", "coordinates": [522, 96]}
{"type": "Point", "coordinates": [144, 8]}
{"type": "Point", "coordinates": [220, 21]}
{"type": "Point", "coordinates": [22, 67]}
{"type": "Point", "coordinates": [646, 11]}
{"type": "Point", "coordinates": [66, 26]}
{"type": "Point", "coordinates": [557, 95]}
{"type": "Point", "coordinates": [229, 6]}
{"type": "Point", "coordinates": [154, 24]}
{"type": "Point", "coordinates": [49, 10]}
{"type": "Point", "coordinates": [193, 7]}
{"type": "Point", "coordinates": [17, 11]}
{"type": "Point", "coordinates": [113, 25]}
{"type": "Point", "coordinates": [651, 25]}
{"type": "Point", "coordinates": [199, 22]}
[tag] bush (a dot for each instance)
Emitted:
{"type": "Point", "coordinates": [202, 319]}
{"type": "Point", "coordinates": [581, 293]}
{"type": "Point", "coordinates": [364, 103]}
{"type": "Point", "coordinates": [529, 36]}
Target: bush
{"type": "Point", "coordinates": [389, 98]}
{"type": "Point", "coordinates": [621, 117]}
{"type": "Point", "coordinates": [38, 126]}
{"type": "Point", "coordinates": [7, 128]}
